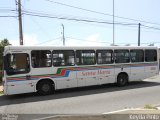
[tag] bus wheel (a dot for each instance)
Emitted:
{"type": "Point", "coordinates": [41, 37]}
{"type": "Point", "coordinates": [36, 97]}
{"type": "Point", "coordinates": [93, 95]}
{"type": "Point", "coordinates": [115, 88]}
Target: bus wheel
{"type": "Point", "coordinates": [45, 88]}
{"type": "Point", "coordinates": [122, 79]}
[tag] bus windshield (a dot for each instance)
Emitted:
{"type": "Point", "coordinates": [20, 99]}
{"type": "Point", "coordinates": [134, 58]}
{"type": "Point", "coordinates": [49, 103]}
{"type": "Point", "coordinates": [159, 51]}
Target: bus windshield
{"type": "Point", "coordinates": [17, 63]}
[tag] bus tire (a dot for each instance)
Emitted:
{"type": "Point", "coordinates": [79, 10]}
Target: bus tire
{"type": "Point", "coordinates": [45, 88]}
{"type": "Point", "coordinates": [122, 79]}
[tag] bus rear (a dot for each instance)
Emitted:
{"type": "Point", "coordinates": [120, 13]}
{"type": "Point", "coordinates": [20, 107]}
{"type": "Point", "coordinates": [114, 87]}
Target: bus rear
{"type": "Point", "coordinates": [16, 70]}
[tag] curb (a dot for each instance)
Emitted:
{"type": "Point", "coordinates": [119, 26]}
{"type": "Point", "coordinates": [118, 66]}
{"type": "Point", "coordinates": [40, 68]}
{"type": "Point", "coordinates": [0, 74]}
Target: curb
{"type": "Point", "coordinates": [135, 111]}
{"type": "Point", "coordinates": [117, 111]}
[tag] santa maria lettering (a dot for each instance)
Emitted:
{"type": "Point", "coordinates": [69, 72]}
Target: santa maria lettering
{"type": "Point", "coordinates": [103, 72]}
{"type": "Point", "coordinates": [89, 73]}
{"type": "Point", "coordinates": [95, 73]}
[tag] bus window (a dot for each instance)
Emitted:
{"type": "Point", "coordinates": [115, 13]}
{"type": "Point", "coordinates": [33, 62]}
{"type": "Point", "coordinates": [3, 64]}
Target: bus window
{"type": "Point", "coordinates": [137, 55]}
{"type": "Point", "coordinates": [121, 56]}
{"type": "Point", "coordinates": [41, 58]}
{"type": "Point", "coordinates": [104, 56]}
{"type": "Point", "coordinates": [85, 57]}
{"type": "Point", "coordinates": [17, 63]}
{"type": "Point", "coordinates": [63, 58]}
{"type": "Point", "coordinates": [150, 55]}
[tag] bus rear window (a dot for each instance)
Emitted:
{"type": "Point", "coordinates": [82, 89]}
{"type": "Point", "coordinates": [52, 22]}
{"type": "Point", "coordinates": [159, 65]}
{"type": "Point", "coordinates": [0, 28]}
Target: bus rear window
{"type": "Point", "coordinates": [150, 55]}
{"type": "Point", "coordinates": [17, 63]}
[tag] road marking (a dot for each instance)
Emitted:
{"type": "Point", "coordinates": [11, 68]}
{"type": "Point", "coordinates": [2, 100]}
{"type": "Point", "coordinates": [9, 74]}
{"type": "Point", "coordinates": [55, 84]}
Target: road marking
{"type": "Point", "coordinates": [117, 111]}
{"type": "Point", "coordinates": [44, 118]}
{"type": "Point", "coordinates": [158, 108]}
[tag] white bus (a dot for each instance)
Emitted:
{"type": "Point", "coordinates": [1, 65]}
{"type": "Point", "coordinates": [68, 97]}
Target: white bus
{"type": "Point", "coordinates": [46, 69]}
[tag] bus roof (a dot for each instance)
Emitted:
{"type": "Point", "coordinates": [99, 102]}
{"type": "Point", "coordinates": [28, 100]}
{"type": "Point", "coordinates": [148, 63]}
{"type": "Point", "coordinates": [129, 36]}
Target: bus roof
{"type": "Point", "coordinates": [75, 47]}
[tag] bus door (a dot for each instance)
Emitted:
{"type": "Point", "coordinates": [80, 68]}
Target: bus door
{"type": "Point", "coordinates": [17, 67]}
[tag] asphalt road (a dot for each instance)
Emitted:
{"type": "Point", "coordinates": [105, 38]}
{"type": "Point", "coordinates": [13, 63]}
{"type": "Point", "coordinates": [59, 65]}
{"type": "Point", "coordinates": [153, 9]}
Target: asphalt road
{"type": "Point", "coordinates": [89, 100]}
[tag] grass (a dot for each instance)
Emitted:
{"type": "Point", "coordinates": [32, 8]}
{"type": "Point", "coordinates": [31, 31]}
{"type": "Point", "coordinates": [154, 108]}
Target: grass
{"type": "Point", "coordinates": [150, 107]}
{"type": "Point", "coordinates": [1, 93]}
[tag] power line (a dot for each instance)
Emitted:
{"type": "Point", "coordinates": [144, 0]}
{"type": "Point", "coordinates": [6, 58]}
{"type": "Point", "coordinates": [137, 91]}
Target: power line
{"type": "Point", "coordinates": [83, 20]}
{"type": "Point", "coordinates": [77, 39]}
{"type": "Point", "coordinates": [73, 19]}
{"type": "Point", "coordinates": [49, 40]}
{"type": "Point", "coordinates": [76, 17]}
{"type": "Point", "coordinates": [65, 18]}
{"type": "Point", "coordinates": [149, 27]}
{"type": "Point", "coordinates": [139, 21]}
{"type": "Point", "coordinates": [40, 27]}
{"type": "Point", "coordinates": [36, 14]}
{"type": "Point", "coordinates": [16, 3]}
{"type": "Point", "coordinates": [7, 16]}
{"type": "Point", "coordinates": [42, 13]}
{"type": "Point", "coordinates": [6, 9]}
{"type": "Point", "coordinates": [78, 8]}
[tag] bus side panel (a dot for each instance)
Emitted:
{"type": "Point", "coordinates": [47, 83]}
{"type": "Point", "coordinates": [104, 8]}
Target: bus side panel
{"type": "Point", "coordinates": [122, 68]}
{"type": "Point", "coordinates": [151, 69]}
{"type": "Point", "coordinates": [87, 77]}
{"type": "Point", "coordinates": [19, 87]}
{"type": "Point", "coordinates": [137, 72]}
{"type": "Point", "coordinates": [98, 75]}
{"type": "Point", "coordinates": [106, 75]}
{"type": "Point", "coordinates": [67, 80]}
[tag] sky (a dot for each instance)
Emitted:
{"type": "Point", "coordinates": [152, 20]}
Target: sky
{"type": "Point", "coordinates": [47, 30]}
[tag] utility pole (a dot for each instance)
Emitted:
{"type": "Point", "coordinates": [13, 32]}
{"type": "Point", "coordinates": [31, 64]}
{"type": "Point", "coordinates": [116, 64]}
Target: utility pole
{"type": "Point", "coordinates": [63, 35]}
{"type": "Point", "coordinates": [139, 33]}
{"type": "Point", "coordinates": [113, 23]}
{"type": "Point", "coordinates": [20, 23]}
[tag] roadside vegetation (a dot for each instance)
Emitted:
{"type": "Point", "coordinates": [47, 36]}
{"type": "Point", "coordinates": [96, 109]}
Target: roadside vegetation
{"type": "Point", "coordinates": [3, 43]}
{"type": "Point", "coordinates": [150, 107]}
{"type": "Point", "coordinates": [1, 93]}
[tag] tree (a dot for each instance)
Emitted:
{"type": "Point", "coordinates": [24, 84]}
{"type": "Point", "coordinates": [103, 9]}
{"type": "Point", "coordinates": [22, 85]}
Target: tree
{"type": "Point", "coordinates": [3, 43]}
